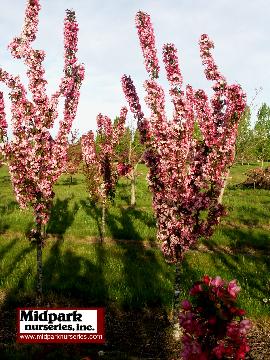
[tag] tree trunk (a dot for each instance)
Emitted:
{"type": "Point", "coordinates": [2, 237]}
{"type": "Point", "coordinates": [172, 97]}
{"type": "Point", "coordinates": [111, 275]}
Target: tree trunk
{"type": "Point", "coordinates": [133, 194]}
{"type": "Point", "coordinates": [176, 303]}
{"type": "Point", "coordinates": [39, 264]}
{"type": "Point", "coordinates": [103, 220]}
{"type": "Point", "coordinates": [262, 164]}
{"type": "Point", "coordinates": [220, 198]}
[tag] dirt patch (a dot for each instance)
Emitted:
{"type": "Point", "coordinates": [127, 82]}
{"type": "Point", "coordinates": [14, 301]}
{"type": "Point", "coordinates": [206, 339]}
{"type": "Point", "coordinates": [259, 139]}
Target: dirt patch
{"type": "Point", "coordinates": [259, 340]}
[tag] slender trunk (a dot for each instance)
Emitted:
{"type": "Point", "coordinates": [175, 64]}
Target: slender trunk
{"type": "Point", "coordinates": [220, 198]}
{"type": "Point", "coordinates": [262, 164]}
{"type": "Point", "coordinates": [39, 264]}
{"type": "Point", "coordinates": [103, 220]}
{"type": "Point", "coordinates": [177, 333]}
{"type": "Point", "coordinates": [133, 194]}
{"type": "Point", "coordinates": [132, 176]}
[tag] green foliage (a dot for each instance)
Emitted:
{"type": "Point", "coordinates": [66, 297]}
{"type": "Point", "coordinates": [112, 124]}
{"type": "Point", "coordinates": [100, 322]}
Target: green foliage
{"type": "Point", "coordinates": [197, 134]}
{"type": "Point", "coordinates": [245, 145]}
{"type": "Point", "coordinates": [262, 133]}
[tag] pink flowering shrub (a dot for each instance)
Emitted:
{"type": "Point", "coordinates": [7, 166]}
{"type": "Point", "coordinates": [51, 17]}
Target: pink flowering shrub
{"type": "Point", "coordinates": [258, 178]}
{"type": "Point", "coordinates": [186, 174]}
{"type": "Point", "coordinates": [213, 326]}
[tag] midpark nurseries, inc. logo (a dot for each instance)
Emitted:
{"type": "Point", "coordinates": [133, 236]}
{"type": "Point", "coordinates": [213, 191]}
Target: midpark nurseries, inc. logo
{"type": "Point", "coordinates": [60, 325]}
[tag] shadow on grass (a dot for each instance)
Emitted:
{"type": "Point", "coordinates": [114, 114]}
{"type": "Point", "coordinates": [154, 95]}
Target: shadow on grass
{"type": "Point", "coordinates": [251, 216]}
{"type": "Point", "coordinates": [245, 238]}
{"type": "Point", "coordinates": [61, 217]}
{"type": "Point", "coordinates": [92, 210]}
{"type": "Point", "coordinates": [122, 226]}
{"type": "Point", "coordinates": [7, 248]}
{"type": "Point", "coordinates": [74, 276]}
{"type": "Point", "coordinates": [130, 281]}
{"type": "Point", "coordinates": [3, 227]}
{"type": "Point", "coordinates": [68, 181]}
{"type": "Point", "coordinates": [5, 179]}
{"type": "Point", "coordinates": [123, 191]}
{"type": "Point", "coordinates": [8, 208]}
{"type": "Point", "coordinates": [250, 270]}
{"type": "Point", "coordinates": [16, 260]}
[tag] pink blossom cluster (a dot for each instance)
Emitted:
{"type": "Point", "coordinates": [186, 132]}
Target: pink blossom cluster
{"type": "Point", "coordinates": [3, 121]}
{"type": "Point", "coordinates": [3, 127]}
{"type": "Point", "coordinates": [170, 60]}
{"type": "Point", "coordinates": [214, 327]}
{"type": "Point", "coordinates": [35, 159]}
{"type": "Point", "coordinates": [147, 41]}
{"type": "Point", "coordinates": [99, 156]}
{"type": "Point", "coordinates": [123, 169]}
{"type": "Point", "coordinates": [186, 174]}
{"type": "Point", "coordinates": [135, 107]}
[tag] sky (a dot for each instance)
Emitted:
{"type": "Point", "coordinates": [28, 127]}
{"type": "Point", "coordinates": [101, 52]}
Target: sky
{"type": "Point", "coordinates": [109, 46]}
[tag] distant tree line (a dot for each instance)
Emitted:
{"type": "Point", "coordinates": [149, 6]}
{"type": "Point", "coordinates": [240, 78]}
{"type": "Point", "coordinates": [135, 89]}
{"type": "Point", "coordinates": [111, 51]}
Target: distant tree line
{"type": "Point", "coordinates": [253, 142]}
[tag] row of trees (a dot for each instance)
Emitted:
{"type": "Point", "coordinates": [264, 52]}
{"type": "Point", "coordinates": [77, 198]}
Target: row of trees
{"type": "Point", "coordinates": [187, 173]}
{"type": "Point", "coordinates": [253, 143]}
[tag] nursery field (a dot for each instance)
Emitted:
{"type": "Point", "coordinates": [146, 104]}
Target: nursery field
{"type": "Point", "coordinates": [127, 273]}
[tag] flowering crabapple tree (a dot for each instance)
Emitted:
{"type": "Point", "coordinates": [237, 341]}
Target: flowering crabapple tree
{"type": "Point", "coordinates": [74, 155]}
{"type": "Point", "coordinates": [130, 152]}
{"type": "Point", "coordinates": [186, 174]}
{"type": "Point", "coordinates": [100, 165]}
{"type": "Point", "coordinates": [35, 159]}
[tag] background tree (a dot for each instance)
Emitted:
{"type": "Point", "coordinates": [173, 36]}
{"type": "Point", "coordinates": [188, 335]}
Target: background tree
{"type": "Point", "coordinates": [74, 155]}
{"type": "Point", "coordinates": [35, 159]}
{"type": "Point", "coordinates": [245, 142]}
{"type": "Point", "coordinates": [262, 134]}
{"type": "Point", "coordinates": [130, 152]}
{"type": "Point", "coordinates": [100, 161]}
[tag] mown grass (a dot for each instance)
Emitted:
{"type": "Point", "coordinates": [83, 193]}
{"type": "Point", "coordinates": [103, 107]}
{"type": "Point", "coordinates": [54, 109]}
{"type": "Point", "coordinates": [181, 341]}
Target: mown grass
{"type": "Point", "coordinates": [93, 274]}
{"type": "Point", "coordinates": [133, 273]}
{"type": "Point", "coordinates": [73, 214]}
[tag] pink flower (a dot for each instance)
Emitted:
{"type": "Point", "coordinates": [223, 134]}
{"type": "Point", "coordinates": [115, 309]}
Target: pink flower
{"type": "Point", "coordinates": [206, 279]}
{"type": "Point", "coordinates": [186, 305]}
{"type": "Point", "coordinates": [210, 324]}
{"type": "Point", "coordinates": [233, 288]}
{"type": "Point", "coordinates": [217, 281]}
{"type": "Point", "coordinates": [197, 288]}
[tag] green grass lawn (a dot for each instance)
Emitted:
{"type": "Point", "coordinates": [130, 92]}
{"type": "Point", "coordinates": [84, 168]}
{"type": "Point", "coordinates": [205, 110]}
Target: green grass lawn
{"type": "Point", "coordinates": [128, 271]}
{"type": "Point", "coordinates": [134, 273]}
